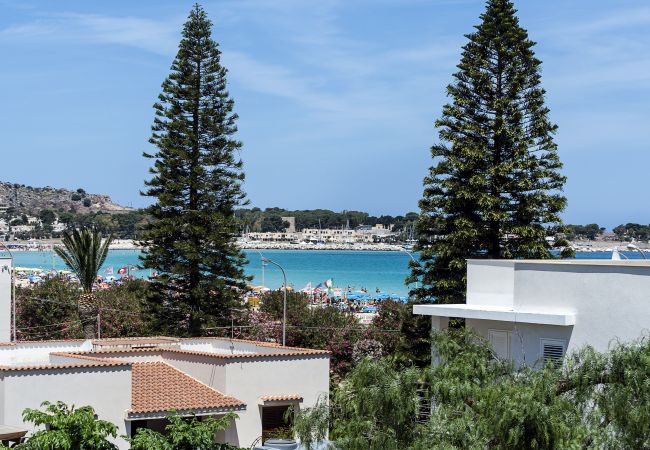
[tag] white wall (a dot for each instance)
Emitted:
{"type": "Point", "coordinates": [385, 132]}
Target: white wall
{"type": "Point", "coordinates": [107, 389]}
{"type": "Point", "coordinates": [490, 282]}
{"type": "Point", "coordinates": [229, 347]}
{"type": "Point", "coordinates": [525, 338]}
{"type": "Point", "coordinates": [5, 299]}
{"type": "Point", "coordinates": [38, 352]}
{"type": "Point", "coordinates": [610, 301]}
{"type": "Point", "coordinates": [248, 379]}
{"type": "Point", "coordinates": [208, 370]}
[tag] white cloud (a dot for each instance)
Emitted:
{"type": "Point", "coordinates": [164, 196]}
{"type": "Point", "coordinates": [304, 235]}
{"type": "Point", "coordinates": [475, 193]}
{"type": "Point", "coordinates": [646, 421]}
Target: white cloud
{"type": "Point", "coordinates": [150, 35]}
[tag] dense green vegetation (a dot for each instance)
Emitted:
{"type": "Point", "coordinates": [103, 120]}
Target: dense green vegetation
{"type": "Point", "coordinates": [196, 184]}
{"type": "Point", "coordinates": [394, 332]}
{"type": "Point", "coordinates": [474, 401]}
{"type": "Point", "coordinates": [254, 219]}
{"type": "Point", "coordinates": [125, 225]}
{"type": "Point", "coordinates": [590, 231]}
{"type": "Point", "coordinates": [49, 310]}
{"type": "Point", "coordinates": [494, 190]}
{"type": "Point", "coordinates": [185, 434]}
{"type": "Point", "coordinates": [66, 427]}
{"type": "Point", "coordinates": [632, 231]}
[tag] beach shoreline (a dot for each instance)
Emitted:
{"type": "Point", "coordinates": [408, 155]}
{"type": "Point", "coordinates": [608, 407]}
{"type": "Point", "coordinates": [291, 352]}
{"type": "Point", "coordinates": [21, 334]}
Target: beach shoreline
{"type": "Point", "coordinates": [130, 244]}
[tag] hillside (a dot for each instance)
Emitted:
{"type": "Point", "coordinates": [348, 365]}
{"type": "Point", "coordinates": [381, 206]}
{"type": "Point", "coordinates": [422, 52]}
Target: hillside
{"type": "Point", "coordinates": [32, 200]}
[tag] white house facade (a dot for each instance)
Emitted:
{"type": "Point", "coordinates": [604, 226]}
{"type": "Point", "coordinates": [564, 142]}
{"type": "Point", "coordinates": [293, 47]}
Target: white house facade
{"type": "Point", "coordinates": [138, 382]}
{"type": "Point", "coordinates": [537, 310]}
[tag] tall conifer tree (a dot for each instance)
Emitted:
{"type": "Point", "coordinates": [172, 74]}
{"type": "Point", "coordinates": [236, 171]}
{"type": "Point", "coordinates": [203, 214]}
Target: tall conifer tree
{"type": "Point", "coordinates": [197, 184]}
{"type": "Point", "coordinates": [494, 190]}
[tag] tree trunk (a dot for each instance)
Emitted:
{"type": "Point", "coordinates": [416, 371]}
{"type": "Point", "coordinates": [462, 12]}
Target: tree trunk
{"type": "Point", "coordinates": [88, 315]}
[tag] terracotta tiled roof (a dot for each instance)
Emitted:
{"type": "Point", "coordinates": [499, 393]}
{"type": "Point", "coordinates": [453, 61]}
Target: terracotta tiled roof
{"type": "Point", "coordinates": [281, 398]}
{"type": "Point", "coordinates": [159, 387]}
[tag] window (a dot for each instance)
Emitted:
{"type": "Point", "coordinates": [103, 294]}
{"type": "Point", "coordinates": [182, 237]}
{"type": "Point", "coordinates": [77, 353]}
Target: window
{"type": "Point", "coordinates": [553, 351]}
{"type": "Point", "coordinates": [275, 422]}
{"type": "Point", "coordinates": [501, 343]}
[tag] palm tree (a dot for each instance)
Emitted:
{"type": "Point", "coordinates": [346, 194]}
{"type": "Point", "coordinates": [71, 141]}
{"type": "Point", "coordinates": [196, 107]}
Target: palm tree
{"type": "Point", "coordinates": [84, 253]}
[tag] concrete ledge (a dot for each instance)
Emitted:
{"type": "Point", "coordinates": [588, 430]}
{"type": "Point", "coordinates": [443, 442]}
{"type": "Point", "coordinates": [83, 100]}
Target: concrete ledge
{"type": "Point", "coordinates": [499, 313]}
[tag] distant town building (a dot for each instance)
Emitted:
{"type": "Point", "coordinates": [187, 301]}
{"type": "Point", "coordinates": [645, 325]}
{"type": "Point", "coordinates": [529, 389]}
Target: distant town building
{"type": "Point", "coordinates": [362, 234]}
{"type": "Point", "coordinates": [292, 224]}
{"type": "Point", "coordinates": [22, 228]}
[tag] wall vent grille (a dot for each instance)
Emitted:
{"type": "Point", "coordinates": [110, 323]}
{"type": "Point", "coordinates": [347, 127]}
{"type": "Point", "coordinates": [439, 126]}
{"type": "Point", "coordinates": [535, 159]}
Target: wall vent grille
{"type": "Point", "coordinates": [553, 351]}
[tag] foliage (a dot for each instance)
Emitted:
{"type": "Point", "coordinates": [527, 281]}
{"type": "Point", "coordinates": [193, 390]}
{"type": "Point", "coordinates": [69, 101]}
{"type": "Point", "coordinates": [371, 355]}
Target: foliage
{"type": "Point", "coordinates": [48, 310]}
{"type": "Point", "coordinates": [297, 305]}
{"type": "Point", "coordinates": [68, 428]}
{"type": "Point", "coordinates": [196, 184]}
{"type": "Point", "coordinates": [311, 425]}
{"type": "Point", "coordinates": [375, 407]}
{"type": "Point", "coordinates": [493, 191]}
{"type": "Point", "coordinates": [125, 225]}
{"type": "Point", "coordinates": [409, 345]}
{"type": "Point", "coordinates": [273, 224]}
{"type": "Point", "coordinates": [184, 434]}
{"type": "Point", "coordinates": [254, 219]}
{"type": "Point", "coordinates": [47, 216]}
{"type": "Point", "coordinates": [632, 231]}
{"type": "Point", "coordinates": [84, 252]}
{"type": "Point", "coordinates": [367, 348]}
{"type": "Point", "coordinates": [125, 310]}
{"type": "Point", "coordinates": [594, 400]}
{"type": "Point", "coordinates": [590, 231]}
{"type": "Point", "coordinates": [326, 328]}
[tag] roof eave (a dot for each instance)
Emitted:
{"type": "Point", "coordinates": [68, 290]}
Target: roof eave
{"type": "Point", "coordinates": [130, 415]}
{"type": "Point", "coordinates": [488, 312]}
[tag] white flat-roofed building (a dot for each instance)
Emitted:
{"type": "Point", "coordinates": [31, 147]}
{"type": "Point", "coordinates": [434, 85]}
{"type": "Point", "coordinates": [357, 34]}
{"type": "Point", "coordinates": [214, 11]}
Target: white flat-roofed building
{"type": "Point", "coordinates": [138, 382]}
{"type": "Point", "coordinates": [536, 310]}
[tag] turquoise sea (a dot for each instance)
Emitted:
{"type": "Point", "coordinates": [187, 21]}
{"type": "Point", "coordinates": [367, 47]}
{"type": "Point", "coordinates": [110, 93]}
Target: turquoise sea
{"type": "Point", "coordinates": [357, 269]}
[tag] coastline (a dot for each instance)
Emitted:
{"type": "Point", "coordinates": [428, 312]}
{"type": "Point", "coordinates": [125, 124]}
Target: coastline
{"type": "Point", "coordinates": [130, 244]}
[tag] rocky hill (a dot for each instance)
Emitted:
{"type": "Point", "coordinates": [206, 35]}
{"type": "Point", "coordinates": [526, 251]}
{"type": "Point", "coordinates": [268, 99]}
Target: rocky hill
{"type": "Point", "coordinates": [31, 200]}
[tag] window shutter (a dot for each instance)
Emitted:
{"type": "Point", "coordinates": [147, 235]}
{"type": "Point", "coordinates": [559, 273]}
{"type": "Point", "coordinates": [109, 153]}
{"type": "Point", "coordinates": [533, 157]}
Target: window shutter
{"type": "Point", "coordinates": [500, 341]}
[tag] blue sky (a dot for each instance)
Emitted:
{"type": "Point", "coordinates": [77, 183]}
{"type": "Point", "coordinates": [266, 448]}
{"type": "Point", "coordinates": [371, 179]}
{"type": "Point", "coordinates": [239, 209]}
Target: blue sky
{"type": "Point", "coordinates": [336, 98]}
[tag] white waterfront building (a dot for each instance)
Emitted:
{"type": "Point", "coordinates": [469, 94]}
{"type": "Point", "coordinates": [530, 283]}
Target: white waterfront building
{"type": "Point", "coordinates": [137, 382]}
{"type": "Point", "coordinates": [537, 310]}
